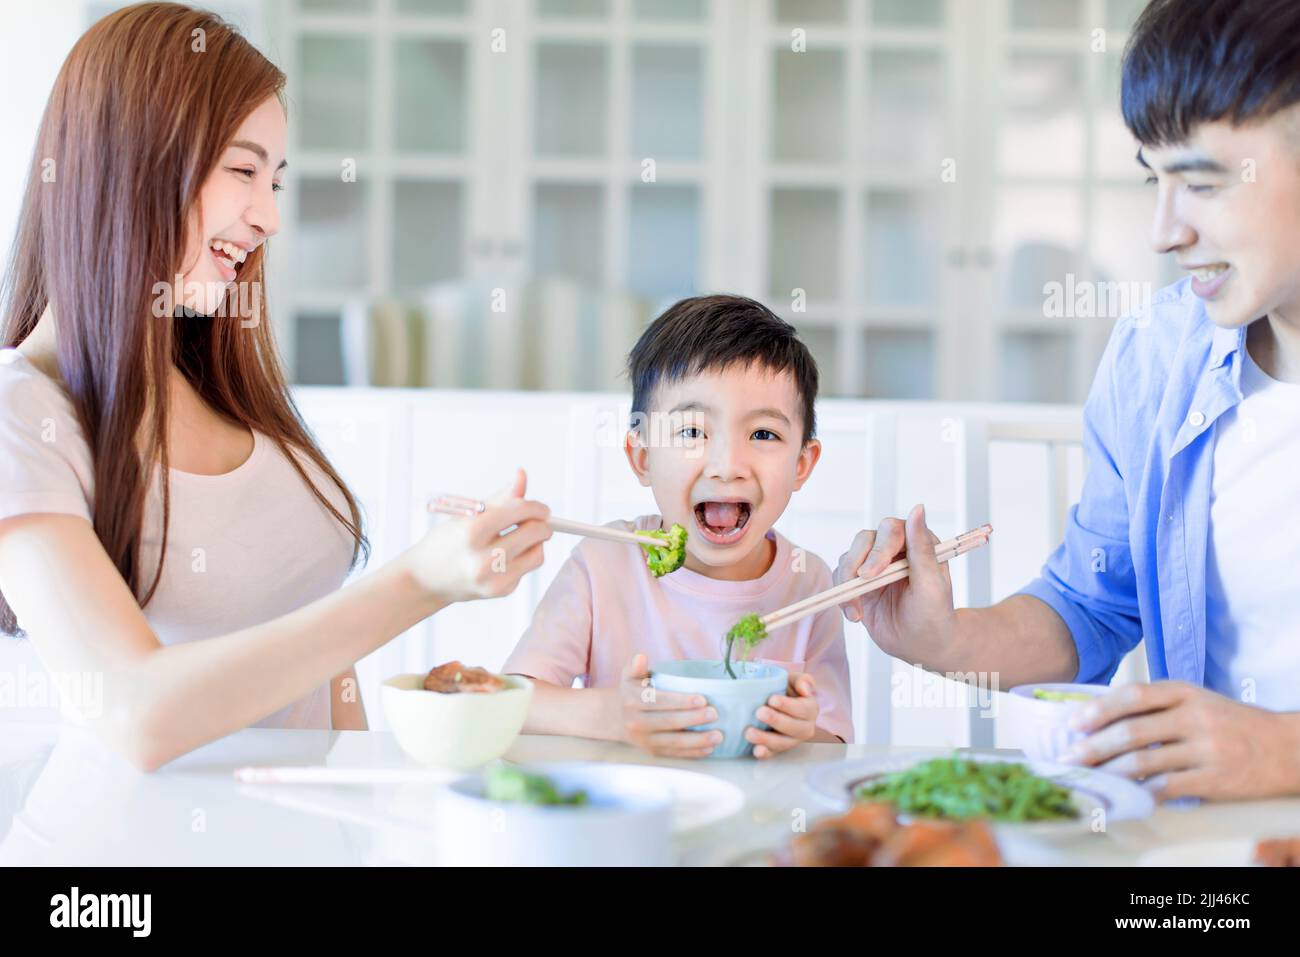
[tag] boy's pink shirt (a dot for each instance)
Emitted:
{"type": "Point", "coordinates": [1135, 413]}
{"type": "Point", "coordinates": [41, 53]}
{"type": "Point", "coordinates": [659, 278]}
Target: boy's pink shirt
{"type": "Point", "coordinates": [604, 606]}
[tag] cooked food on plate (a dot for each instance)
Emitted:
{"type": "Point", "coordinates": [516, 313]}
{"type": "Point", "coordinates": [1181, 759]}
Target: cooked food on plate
{"type": "Point", "coordinates": [456, 678]}
{"type": "Point", "coordinates": [1278, 852]}
{"type": "Point", "coordinates": [870, 835]}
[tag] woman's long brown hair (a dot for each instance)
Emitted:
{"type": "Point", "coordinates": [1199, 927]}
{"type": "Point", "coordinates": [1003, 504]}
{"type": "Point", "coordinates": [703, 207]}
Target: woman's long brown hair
{"type": "Point", "coordinates": [139, 116]}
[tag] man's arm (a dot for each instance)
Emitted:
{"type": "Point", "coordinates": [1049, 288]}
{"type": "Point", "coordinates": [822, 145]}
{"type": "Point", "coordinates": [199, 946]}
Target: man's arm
{"type": "Point", "coordinates": [1076, 622]}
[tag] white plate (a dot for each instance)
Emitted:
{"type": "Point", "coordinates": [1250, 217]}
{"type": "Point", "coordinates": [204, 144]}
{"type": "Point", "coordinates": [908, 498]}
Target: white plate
{"type": "Point", "coordinates": [1119, 799]}
{"type": "Point", "coordinates": [698, 799]}
{"type": "Point", "coordinates": [1239, 853]}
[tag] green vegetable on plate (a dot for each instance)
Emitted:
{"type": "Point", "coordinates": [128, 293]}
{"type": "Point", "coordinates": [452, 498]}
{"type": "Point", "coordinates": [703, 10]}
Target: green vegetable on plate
{"type": "Point", "coordinates": [1044, 695]}
{"type": "Point", "coordinates": [668, 557]}
{"type": "Point", "coordinates": [505, 783]}
{"type": "Point", "coordinates": [960, 789]}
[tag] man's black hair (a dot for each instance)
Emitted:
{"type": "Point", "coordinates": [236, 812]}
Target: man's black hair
{"type": "Point", "coordinates": [712, 333]}
{"type": "Point", "coordinates": [1198, 61]}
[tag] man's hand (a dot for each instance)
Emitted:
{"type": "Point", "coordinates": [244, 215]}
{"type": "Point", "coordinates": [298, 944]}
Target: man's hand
{"type": "Point", "coordinates": [911, 619]}
{"type": "Point", "coordinates": [656, 721]}
{"type": "Point", "coordinates": [1208, 745]}
{"type": "Point", "coordinates": [791, 716]}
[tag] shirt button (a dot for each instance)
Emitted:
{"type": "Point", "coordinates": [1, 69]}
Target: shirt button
{"type": "Point", "coordinates": [1197, 419]}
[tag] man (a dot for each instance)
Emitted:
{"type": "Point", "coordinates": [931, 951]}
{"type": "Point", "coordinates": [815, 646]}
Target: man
{"type": "Point", "coordinates": [1187, 533]}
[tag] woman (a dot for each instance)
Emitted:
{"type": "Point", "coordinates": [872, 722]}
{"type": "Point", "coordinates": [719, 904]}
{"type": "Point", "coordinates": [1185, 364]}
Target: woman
{"type": "Point", "coordinates": [212, 600]}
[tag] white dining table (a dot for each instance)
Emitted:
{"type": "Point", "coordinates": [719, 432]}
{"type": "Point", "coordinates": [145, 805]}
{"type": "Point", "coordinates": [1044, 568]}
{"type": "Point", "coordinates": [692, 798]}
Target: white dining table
{"type": "Point", "coordinates": [67, 800]}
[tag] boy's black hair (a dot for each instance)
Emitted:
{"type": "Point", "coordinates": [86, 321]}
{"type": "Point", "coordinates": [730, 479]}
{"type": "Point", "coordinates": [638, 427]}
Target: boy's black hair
{"type": "Point", "coordinates": [1197, 61]}
{"type": "Point", "coordinates": [714, 332]}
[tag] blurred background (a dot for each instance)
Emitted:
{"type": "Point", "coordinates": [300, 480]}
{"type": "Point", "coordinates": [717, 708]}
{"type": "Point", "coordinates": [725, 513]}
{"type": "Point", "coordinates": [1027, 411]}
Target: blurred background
{"type": "Point", "coordinates": [501, 193]}
{"type": "Point", "coordinates": [488, 200]}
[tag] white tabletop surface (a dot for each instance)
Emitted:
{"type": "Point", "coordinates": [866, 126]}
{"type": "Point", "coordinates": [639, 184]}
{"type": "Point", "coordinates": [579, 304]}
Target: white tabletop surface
{"type": "Point", "coordinates": [66, 800]}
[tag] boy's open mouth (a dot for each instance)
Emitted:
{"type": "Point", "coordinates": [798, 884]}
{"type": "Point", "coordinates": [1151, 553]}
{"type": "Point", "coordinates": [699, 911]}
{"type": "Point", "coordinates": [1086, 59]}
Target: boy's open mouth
{"type": "Point", "coordinates": [722, 523]}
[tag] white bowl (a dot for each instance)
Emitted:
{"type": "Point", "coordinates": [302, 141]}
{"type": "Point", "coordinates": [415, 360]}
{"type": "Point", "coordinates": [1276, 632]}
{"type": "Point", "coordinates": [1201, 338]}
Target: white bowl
{"type": "Point", "coordinates": [454, 730]}
{"type": "Point", "coordinates": [1040, 727]}
{"type": "Point", "coordinates": [626, 822]}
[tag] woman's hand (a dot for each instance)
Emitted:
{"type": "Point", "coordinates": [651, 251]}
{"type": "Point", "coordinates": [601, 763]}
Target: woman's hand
{"type": "Point", "coordinates": [469, 558]}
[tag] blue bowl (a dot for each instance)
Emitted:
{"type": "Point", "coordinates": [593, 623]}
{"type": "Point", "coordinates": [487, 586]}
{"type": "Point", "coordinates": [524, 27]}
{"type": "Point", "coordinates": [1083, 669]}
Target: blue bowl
{"type": "Point", "coordinates": [736, 700]}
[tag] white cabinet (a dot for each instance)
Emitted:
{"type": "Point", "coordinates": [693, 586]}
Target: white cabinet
{"type": "Point", "coordinates": [902, 179]}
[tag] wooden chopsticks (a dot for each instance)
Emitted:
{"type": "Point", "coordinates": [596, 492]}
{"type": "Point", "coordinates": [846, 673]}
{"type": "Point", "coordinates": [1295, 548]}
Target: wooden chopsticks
{"type": "Point", "coordinates": [458, 505]}
{"type": "Point", "coordinates": [897, 571]}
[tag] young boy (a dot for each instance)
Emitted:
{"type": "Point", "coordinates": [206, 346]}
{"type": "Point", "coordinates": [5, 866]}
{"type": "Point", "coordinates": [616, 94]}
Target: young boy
{"type": "Point", "coordinates": [722, 433]}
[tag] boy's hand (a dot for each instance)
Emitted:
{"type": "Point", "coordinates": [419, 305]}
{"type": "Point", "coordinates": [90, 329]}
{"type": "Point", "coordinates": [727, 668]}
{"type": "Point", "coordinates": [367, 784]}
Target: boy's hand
{"type": "Point", "coordinates": [792, 717]}
{"type": "Point", "coordinates": [655, 720]}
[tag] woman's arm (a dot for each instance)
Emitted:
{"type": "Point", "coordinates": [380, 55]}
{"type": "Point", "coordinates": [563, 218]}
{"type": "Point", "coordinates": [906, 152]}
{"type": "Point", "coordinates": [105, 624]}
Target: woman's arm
{"type": "Point", "coordinates": [347, 711]}
{"type": "Point", "coordinates": [161, 701]}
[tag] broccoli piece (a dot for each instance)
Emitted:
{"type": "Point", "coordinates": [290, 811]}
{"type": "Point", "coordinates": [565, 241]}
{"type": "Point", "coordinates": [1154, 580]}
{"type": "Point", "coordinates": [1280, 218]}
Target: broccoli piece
{"type": "Point", "coordinates": [662, 559]}
{"type": "Point", "coordinates": [749, 631]}
{"type": "Point", "coordinates": [505, 783]}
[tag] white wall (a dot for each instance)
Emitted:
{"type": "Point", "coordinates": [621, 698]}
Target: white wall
{"type": "Point", "coordinates": [34, 41]}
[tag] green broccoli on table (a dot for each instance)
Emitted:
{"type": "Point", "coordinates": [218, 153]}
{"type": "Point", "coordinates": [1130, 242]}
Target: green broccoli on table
{"type": "Point", "coordinates": [749, 631]}
{"type": "Point", "coordinates": [505, 783]}
{"type": "Point", "coordinates": [668, 557]}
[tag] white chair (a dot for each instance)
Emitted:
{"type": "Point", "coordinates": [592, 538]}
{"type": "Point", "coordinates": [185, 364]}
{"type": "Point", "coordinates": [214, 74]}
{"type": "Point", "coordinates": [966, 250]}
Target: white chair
{"type": "Point", "coordinates": [1061, 439]}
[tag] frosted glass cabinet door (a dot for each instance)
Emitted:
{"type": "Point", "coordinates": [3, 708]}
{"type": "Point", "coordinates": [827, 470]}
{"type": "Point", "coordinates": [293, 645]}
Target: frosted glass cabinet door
{"type": "Point", "coordinates": [905, 110]}
{"type": "Point", "coordinates": [441, 8]}
{"type": "Point", "coordinates": [1114, 147]}
{"type": "Point", "coordinates": [1042, 103]}
{"type": "Point", "coordinates": [1118, 248]}
{"type": "Point", "coordinates": [335, 93]}
{"type": "Point", "coordinates": [1046, 14]}
{"type": "Point", "coordinates": [571, 9]}
{"type": "Point", "coordinates": [1037, 239]}
{"type": "Point", "coordinates": [808, 106]}
{"type": "Point", "coordinates": [908, 13]}
{"type": "Point", "coordinates": [669, 9]}
{"type": "Point", "coordinates": [431, 96]}
{"type": "Point", "coordinates": [568, 231]}
{"type": "Point", "coordinates": [663, 241]}
{"type": "Point", "coordinates": [804, 245]}
{"type": "Point", "coordinates": [571, 95]}
{"type": "Point", "coordinates": [336, 6]}
{"type": "Point", "coordinates": [900, 363]}
{"type": "Point", "coordinates": [332, 236]}
{"type": "Point", "coordinates": [667, 116]}
{"type": "Point", "coordinates": [810, 12]}
{"type": "Point", "coordinates": [427, 230]}
{"type": "Point", "coordinates": [903, 245]}
{"type": "Point", "coordinates": [1035, 367]}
